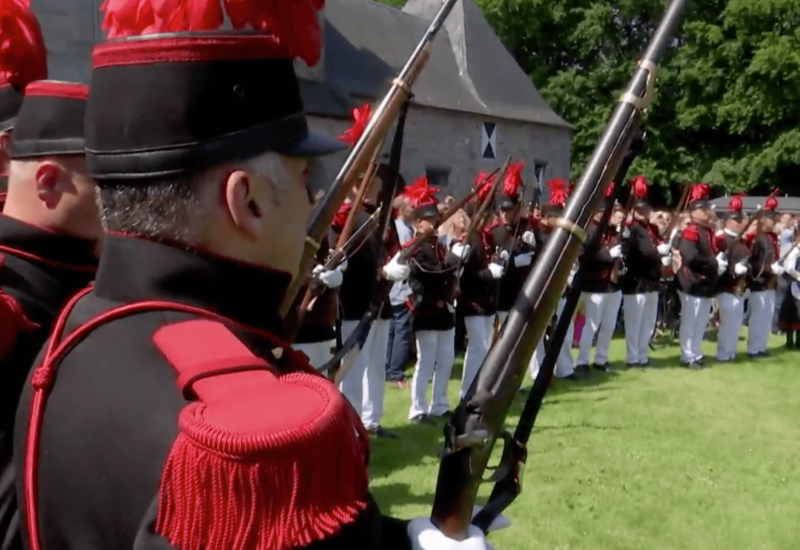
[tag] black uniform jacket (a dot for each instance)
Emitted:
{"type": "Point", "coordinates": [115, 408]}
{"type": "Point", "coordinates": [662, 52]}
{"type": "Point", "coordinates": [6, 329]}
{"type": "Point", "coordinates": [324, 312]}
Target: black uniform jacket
{"type": "Point", "coordinates": [433, 286]}
{"type": "Point", "coordinates": [698, 273]}
{"type": "Point", "coordinates": [509, 238]}
{"type": "Point", "coordinates": [764, 251]}
{"type": "Point", "coordinates": [39, 271]}
{"type": "Point", "coordinates": [642, 260]}
{"type": "Point", "coordinates": [735, 251]}
{"type": "Point", "coordinates": [110, 419]}
{"type": "Point", "coordinates": [477, 288]}
{"type": "Point", "coordinates": [599, 272]}
{"type": "Point", "coordinates": [360, 277]}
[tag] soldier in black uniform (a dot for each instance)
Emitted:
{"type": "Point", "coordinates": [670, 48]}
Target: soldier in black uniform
{"type": "Point", "coordinates": [171, 414]}
{"type": "Point", "coordinates": [732, 282]}
{"type": "Point", "coordinates": [697, 276]}
{"type": "Point", "coordinates": [479, 278]}
{"type": "Point", "coordinates": [764, 270]}
{"type": "Point", "coordinates": [551, 212]}
{"type": "Point", "coordinates": [514, 241]}
{"type": "Point", "coordinates": [48, 232]}
{"type": "Point", "coordinates": [432, 282]}
{"type": "Point", "coordinates": [599, 282]}
{"type": "Point", "coordinates": [645, 255]}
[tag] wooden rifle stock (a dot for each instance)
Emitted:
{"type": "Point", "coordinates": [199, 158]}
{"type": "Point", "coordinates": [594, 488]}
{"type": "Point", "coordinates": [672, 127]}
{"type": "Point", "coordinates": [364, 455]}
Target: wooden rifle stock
{"type": "Point", "coordinates": [478, 420]}
{"type": "Point", "coordinates": [373, 135]}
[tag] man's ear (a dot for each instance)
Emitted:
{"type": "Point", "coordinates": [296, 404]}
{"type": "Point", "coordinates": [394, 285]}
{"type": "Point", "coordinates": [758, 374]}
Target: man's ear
{"type": "Point", "coordinates": [5, 153]}
{"type": "Point", "coordinates": [48, 178]}
{"type": "Point", "coordinates": [240, 199]}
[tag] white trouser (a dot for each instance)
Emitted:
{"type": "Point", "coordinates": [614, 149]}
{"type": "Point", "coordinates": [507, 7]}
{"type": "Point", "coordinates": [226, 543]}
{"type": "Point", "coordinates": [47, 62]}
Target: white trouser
{"type": "Point", "coordinates": [695, 312]}
{"type": "Point", "coordinates": [564, 363]}
{"type": "Point", "coordinates": [641, 311]}
{"type": "Point", "coordinates": [479, 332]}
{"type": "Point", "coordinates": [435, 355]}
{"type": "Point", "coordinates": [352, 385]}
{"type": "Point", "coordinates": [731, 314]}
{"type": "Point", "coordinates": [601, 318]}
{"type": "Point", "coordinates": [375, 374]}
{"type": "Point", "coordinates": [762, 307]}
{"type": "Point", "coordinates": [318, 353]}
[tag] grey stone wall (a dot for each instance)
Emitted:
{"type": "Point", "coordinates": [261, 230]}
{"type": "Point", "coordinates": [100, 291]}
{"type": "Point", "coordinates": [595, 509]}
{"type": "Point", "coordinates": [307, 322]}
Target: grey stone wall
{"type": "Point", "coordinates": [439, 138]}
{"type": "Point", "coordinates": [70, 28]}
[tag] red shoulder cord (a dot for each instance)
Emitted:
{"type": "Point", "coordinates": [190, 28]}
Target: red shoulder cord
{"type": "Point", "coordinates": [44, 377]}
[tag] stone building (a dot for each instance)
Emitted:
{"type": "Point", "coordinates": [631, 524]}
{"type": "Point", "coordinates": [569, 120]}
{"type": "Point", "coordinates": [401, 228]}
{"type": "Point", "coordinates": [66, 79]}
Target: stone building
{"type": "Point", "coordinates": [473, 104]}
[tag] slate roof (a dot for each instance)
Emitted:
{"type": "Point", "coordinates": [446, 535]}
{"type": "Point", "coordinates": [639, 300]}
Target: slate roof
{"type": "Point", "coordinates": [469, 69]}
{"type": "Point", "coordinates": [751, 204]}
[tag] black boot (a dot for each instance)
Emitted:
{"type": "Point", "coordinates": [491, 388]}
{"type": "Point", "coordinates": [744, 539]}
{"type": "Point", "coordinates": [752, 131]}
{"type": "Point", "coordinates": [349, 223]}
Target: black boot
{"type": "Point", "coordinates": [790, 340]}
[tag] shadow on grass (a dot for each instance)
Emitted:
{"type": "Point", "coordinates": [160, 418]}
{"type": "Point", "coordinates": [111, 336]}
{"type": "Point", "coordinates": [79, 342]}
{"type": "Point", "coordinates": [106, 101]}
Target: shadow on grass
{"type": "Point", "coordinates": [398, 494]}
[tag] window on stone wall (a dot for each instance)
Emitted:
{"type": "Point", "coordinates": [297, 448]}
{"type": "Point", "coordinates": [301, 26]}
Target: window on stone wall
{"type": "Point", "coordinates": [437, 175]}
{"type": "Point", "coordinates": [540, 169]}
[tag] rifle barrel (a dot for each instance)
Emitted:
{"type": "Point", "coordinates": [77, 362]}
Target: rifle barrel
{"type": "Point", "coordinates": [488, 400]}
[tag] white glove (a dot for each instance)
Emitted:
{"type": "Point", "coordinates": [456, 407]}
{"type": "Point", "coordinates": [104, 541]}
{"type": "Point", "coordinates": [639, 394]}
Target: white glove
{"type": "Point", "coordinates": [523, 260]}
{"type": "Point", "coordinates": [529, 238]}
{"type": "Point", "coordinates": [504, 255]}
{"type": "Point", "coordinates": [740, 268]}
{"type": "Point", "coordinates": [461, 250]}
{"type": "Point", "coordinates": [496, 270]}
{"type": "Point", "coordinates": [395, 271]}
{"type": "Point", "coordinates": [722, 265]}
{"type": "Point", "coordinates": [623, 231]}
{"type": "Point", "coordinates": [425, 536]}
{"type": "Point", "coordinates": [720, 257]}
{"type": "Point", "coordinates": [664, 249]}
{"type": "Point", "coordinates": [777, 268]}
{"type": "Point", "coordinates": [615, 251]}
{"type": "Point", "coordinates": [666, 260]}
{"type": "Point", "coordinates": [330, 278]}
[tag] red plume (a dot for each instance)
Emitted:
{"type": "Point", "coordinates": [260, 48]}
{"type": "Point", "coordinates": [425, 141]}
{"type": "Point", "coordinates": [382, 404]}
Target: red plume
{"type": "Point", "coordinates": [360, 120]}
{"type": "Point", "coordinates": [420, 193]}
{"type": "Point", "coordinates": [23, 57]}
{"type": "Point", "coordinates": [340, 218]}
{"type": "Point", "coordinates": [609, 190]}
{"type": "Point", "coordinates": [639, 188]}
{"type": "Point", "coordinates": [293, 22]}
{"type": "Point", "coordinates": [483, 184]}
{"type": "Point", "coordinates": [700, 191]}
{"type": "Point", "coordinates": [735, 204]}
{"type": "Point", "coordinates": [771, 203]}
{"type": "Point", "coordinates": [513, 179]}
{"type": "Point", "coordinates": [559, 190]}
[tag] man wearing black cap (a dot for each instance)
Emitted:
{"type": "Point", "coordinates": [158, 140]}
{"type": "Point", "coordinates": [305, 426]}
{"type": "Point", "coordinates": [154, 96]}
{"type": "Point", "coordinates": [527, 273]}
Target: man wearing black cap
{"type": "Point", "coordinates": [551, 211]}
{"type": "Point", "coordinates": [599, 282]}
{"type": "Point", "coordinates": [515, 242]}
{"type": "Point", "coordinates": [165, 411]}
{"type": "Point", "coordinates": [701, 264]}
{"type": "Point", "coordinates": [644, 257]}
{"type": "Point", "coordinates": [731, 283]}
{"type": "Point", "coordinates": [48, 230]}
{"type": "Point", "coordinates": [764, 269]}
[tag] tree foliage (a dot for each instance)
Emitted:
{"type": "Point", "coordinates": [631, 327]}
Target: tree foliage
{"type": "Point", "coordinates": [727, 109]}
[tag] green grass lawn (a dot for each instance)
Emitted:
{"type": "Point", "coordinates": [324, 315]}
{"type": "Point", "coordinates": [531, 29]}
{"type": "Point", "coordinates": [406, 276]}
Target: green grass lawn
{"type": "Point", "coordinates": [659, 458]}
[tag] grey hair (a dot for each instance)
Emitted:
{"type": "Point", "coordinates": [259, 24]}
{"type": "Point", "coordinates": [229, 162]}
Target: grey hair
{"type": "Point", "coordinates": [177, 209]}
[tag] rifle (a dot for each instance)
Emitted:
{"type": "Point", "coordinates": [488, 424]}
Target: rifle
{"type": "Point", "coordinates": [400, 91]}
{"type": "Point", "coordinates": [507, 479]}
{"type": "Point", "coordinates": [478, 420]}
{"type": "Point", "coordinates": [360, 333]}
{"type": "Point", "coordinates": [479, 219]}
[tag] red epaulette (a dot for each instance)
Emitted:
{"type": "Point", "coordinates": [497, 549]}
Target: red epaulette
{"type": "Point", "coordinates": [263, 459]}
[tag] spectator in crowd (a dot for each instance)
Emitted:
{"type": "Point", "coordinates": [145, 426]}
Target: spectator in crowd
{"type": "Point", "coordinates": [399, 348]}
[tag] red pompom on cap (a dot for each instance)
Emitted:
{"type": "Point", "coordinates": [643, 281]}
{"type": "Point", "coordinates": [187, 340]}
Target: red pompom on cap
{"type": "Point", "coordinates": [698, 195]}
{"type": "Point", "coordinates": [340, 218]}
{"type": "Point", "coordinates": [262, 461]}
{"type": "Point", "coordinates": [360, 121]}
{"type": "Point", "coordinates": [639, 188]}
{"type": "Point", "coordinates": [23, 57]}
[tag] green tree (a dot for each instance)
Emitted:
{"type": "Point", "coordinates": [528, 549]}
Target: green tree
{"type": "Point", "coordinates": [727, 110]}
